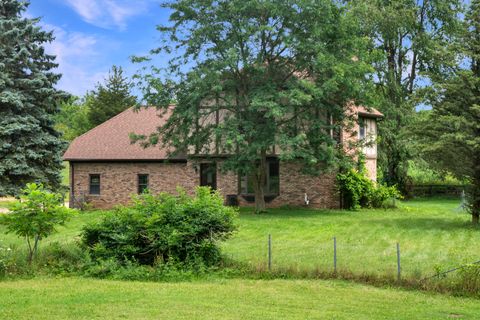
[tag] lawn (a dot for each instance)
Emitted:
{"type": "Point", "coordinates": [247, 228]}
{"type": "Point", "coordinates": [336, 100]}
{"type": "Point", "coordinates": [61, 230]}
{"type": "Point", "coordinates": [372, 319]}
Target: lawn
{"type": "Point", "coordinates": [75, 298]}
{"type": "Point", "coordinates": [431, 233]}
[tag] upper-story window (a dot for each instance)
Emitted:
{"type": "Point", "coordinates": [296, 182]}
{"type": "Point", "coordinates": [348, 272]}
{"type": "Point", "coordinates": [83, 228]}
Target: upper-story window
{"type": "Point", "coordinates": [94, 187]}
{"type": "Point", "coordinates": [367, 133]}
{"type": "Point", "coordinates": [362, 128]}
{"type": "Point", "coordinates": [142, 183]}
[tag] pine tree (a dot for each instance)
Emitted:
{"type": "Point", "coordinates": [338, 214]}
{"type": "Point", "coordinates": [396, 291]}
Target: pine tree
{"type": "Point", "coordinates": [30, 148]}
{"type": "Point", "coordinates": [110, 99]}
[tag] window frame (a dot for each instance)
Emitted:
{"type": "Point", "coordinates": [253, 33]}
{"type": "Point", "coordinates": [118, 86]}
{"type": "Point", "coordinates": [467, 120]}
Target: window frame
{"type": "Point", "coordinates": [362, 128]}
{"type": "Point", "coordinates": [90, 177]}
{"type": "Point", "coordinates": [243, 180]}
{"type": "Point", "coordinates": [144, 185]}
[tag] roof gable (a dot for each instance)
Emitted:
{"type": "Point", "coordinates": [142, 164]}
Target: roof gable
{"type": "Point", "coordinates": [110, 140]}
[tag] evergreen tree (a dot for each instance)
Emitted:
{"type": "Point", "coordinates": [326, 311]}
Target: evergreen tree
{"type": "Point", "coordinates": [30, 148]}
{"type": "Point", "coordinates": [110, 99]}
{"type": "Point", "coordinates": [451, 135]}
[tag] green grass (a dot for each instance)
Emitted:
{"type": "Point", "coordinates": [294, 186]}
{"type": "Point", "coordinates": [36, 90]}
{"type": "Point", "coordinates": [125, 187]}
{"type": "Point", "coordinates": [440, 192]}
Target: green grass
{"type": "Point", "coordinates": [433, 234]}
{"type": "Point", "coordinates": [67, 233]}
{"type": "Point", "coordinates": [74, 298]}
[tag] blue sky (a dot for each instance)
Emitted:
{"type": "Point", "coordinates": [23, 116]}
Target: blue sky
{"type": "Point", "coordinates": [92, 35]}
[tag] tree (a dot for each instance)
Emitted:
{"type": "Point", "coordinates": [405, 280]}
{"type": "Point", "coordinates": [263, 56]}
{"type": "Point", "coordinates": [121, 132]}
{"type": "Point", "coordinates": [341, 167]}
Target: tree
{"type": "Point", "coordinates": [72, 120]}
{"type": "Point", "coordinates": [451, 134]}
{"type": "Point", "coordinates": [263, 76]}
{"type": "Point", "coordinates": [110, 99]}
{"type": "Point", "coordinates": [35, 216]}
{"type": "Point", "coordinates": [411, 39]}
{"type": "Point", "coordinates": [30, 148]}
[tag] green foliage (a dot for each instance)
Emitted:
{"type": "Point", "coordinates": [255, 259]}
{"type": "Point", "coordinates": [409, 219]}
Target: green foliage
{"type": "Point", "coordinates": [72, 120]}
{"type": "Point", "coordinates": [420, 172]}
{"type": "Point", "coordinates": [110, 99]}
{"type": "Point", "coordinates": [163, 229]}
{"type": "Point", "coordinates": [274, 71]}
{"type": "Point", "coordinates": [450, 134]}
{"type": "Point", "coordinates": [359, 191]}
{"type": "Point", "coordinates": [411, 41]}
{"type": "Point", "coordinates": [30, 148]}
{"type": "Point", "coordinates": [35, 216]}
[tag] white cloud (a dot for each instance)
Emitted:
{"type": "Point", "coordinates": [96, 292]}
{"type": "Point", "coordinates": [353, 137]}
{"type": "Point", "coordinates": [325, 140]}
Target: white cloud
{"type": "Point", "coordinates": [76, 55]}
{"type": "Point", "coordinates": [108, 13]}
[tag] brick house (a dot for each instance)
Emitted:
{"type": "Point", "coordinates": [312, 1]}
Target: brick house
{"type": "Point", "coordinates": [106, 169]}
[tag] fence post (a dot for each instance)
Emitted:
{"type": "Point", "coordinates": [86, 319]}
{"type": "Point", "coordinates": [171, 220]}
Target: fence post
{"type": "Point", "coordinates": [398, 263]}
{"type": "Point", "coordinates": [335, 254]}
{"type": "Point", "coordinates": [269, 252]}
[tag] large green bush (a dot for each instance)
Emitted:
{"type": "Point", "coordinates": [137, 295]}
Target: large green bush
{"type": "Point", "coordinates": [163, 229]}
{"type": "Point", "coordinates": [358, 191]}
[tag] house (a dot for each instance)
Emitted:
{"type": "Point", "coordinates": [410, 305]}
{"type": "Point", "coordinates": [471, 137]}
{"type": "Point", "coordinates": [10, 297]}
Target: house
{"type": "Point", "coordinates": [106, 168]}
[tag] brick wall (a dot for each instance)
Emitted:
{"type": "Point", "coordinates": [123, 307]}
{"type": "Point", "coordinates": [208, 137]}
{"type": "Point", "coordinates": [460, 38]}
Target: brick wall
{"type": "Point", "coordinates": [119, 181]}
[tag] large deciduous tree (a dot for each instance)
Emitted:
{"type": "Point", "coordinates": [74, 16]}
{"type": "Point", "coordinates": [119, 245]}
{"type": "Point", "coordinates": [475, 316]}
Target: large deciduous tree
{"type": "Point", "coordinates": [451, 134]}
{"type": "Point", "coordinates": [411, 39]}
{"type": "Point", "coordinates": [274, 72]}
{"type": "Point", "coordinates": [111, 98]}
{"type": "Point", "coordinates": [72, 119]}
{"type": "Point", "coordinates": [30, 148]}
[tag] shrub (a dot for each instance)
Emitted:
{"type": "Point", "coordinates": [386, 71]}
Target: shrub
{"type": "Point", "coordinates": [359, 191]}
{"type": "Point", "coordinates": [163, 229]}
{"type": "Point", "coordinates": [35, 216]}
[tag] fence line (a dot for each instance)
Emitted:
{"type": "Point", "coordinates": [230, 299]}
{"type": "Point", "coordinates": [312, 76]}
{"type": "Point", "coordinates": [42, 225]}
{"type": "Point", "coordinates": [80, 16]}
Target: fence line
{"type": "Point", "coordinates": [451, 270]}
{"type": "Point", "coordinates": [398, 256]}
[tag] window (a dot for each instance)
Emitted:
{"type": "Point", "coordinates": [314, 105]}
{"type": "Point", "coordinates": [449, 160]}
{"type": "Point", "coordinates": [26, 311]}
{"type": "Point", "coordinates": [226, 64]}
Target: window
{"type": "Point", "coordinates": [94, 184]}
{"type": "Point", "coordinates": [208, 175]}
{"type": "Point", "coordinates": [362, 128]}
{"type": "Point", "coordinates": [142, 182]}
{"type": "Point", "coordinates": [272, 183]}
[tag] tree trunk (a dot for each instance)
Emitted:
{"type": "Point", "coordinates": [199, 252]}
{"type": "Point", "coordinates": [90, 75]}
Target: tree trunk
{"type": "Point", "coordinates": [259, 183]}
{"type": "Point", "coordinates": [30, 251]}
{"type": "Point", "coordinates": [475, 198]}
{"type": "Point", "coordinates": [475, 218]}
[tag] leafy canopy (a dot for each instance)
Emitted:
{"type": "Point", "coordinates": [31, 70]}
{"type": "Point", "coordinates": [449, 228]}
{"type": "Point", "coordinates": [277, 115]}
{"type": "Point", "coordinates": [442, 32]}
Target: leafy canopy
{"type": "Point", "coordinates": [35, 216]}
{"type": "Point", "coordinates": [250, 78]}
{"type": "Point", "coordinates": [450, 136]}
{"type": "Point", "coordinates": [72, 119]}
{"type": "Point", "coordinates": [411, 44]}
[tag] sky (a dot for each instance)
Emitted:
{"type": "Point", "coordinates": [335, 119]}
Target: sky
{"type": "Point", "coordinates": [93, 35]}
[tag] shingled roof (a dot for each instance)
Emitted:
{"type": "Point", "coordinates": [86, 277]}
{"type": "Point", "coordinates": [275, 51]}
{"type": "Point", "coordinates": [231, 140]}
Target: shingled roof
{"type": "Point", "coordinates": [110, 140]}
